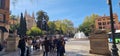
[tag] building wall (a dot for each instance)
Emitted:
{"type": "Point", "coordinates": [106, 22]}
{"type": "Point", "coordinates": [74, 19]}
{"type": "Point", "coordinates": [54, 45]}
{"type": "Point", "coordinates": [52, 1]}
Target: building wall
{"type": "Point", "coordinates": [30, 23]}
{"type": "Point", "coordinates": [4, 16]}
{"type": "Point", "coordinates": [30, 20]}
{"type": "Point", "coordinates": [103, 22]}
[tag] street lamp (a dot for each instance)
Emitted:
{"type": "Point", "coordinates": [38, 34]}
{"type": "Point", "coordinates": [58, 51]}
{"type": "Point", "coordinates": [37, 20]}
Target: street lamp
{"type": "Point", "coordinates": [114, 47]}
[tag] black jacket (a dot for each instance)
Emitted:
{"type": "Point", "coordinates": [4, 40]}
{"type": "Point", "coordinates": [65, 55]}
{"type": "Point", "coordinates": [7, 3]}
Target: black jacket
{"type": "Point", "coordinates": [21, 44]}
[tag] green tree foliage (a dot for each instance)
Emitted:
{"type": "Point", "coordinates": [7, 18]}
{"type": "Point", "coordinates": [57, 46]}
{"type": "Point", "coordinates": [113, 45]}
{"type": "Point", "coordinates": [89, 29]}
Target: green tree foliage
{"type": "Point", "coordinates": [89, 21]}
{"type": "Point", "coordinates": [51, 27]}
{"type": "Point", "coordinates": [22, 28]}
{"type": "Point", "coordinates": [13, 26]}
{"type": "Point", "coordinates": [61, 26]}
{"type": "Point", "coordinates": [41, 15]}
{"type": "Point", "coordinates": [69, 25]}
{"type": "Point", "coordinates": [42, 19]}
{"type": "Point", "coordinates": [34, 31]}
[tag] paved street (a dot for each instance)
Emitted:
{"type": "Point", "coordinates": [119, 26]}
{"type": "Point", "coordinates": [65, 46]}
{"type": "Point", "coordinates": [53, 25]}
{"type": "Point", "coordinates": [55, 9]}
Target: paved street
{"type": "Point", "coordinates": [73, 48]}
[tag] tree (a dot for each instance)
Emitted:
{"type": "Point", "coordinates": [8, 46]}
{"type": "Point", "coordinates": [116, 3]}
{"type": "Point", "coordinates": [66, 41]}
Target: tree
{"type": "Point", "coordinates": [69, 25]}
{"type": "Point", "coordinates": [42, 19]}
{"type": "Point", "coordinates": [34, 31]}
{"type": "Point", "coordinates": [64, 26]}
{"type": "Point", "coordinates": [51, 27]}
{"type": "Point", "coordinates": [14, 25]}
{"type": "Point", "coordinates": [88, 22]}
{"type": "Point", "coordinates": [22, 28]}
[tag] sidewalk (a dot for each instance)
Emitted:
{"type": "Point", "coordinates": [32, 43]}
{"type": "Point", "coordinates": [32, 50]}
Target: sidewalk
{"type": "Point", "coordinates": [3, 53]}
{"type": "Point", "coordinates": [38, 53]}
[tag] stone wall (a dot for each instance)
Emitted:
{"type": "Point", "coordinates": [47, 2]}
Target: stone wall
{"type": "Point", "coordinates": [12, 43]}
{"type": "Point", "coordinates": [99, 43]}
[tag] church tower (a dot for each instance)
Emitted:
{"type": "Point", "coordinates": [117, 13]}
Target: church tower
{"type": "Point", "coordinates": [25, 14]}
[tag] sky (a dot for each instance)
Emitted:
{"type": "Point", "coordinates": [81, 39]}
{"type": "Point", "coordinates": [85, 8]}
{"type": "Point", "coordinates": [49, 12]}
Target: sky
{"type": "Point", "coordinates": [74, 10]}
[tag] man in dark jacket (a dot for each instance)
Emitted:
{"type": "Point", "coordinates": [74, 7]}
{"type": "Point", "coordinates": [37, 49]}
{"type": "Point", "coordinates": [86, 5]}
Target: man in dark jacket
{"type": "Point", "coordinates": [46, 47]}
{"type": "Point", "coordinates": [60, 47]}
{"type": "Point", "coordinates": [22, 46]}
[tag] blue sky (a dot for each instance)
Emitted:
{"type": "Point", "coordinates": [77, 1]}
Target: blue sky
{"type": "Point", "coordinates": [74, 10]}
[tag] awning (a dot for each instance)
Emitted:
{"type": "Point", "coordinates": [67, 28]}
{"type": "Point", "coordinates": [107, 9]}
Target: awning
{"type": "Point", "coordinates": [3, 29]}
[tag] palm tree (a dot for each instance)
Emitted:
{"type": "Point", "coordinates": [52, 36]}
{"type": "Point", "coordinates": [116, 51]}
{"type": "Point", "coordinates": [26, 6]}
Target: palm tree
{"type": "Point", "coordinates": [42, 16]}
{"type": "Point", "coordinates": [42, 19]}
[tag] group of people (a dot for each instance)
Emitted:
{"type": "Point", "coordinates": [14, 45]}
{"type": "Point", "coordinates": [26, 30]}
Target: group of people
{"type": "Point", "coordinates": [48, 44]}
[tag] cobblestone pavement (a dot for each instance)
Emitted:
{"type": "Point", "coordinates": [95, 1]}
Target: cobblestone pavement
{"type": "Point", "coordinates": [73, 48]}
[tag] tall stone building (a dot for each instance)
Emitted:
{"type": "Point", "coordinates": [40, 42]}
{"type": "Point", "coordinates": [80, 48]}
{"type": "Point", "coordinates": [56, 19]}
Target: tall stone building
{"type": "Point", "coordinates": [30, 20]}
{"type": "Point", "coordinates": [103, 22]}
{"type": "Point", "coordinates": [4, 19]}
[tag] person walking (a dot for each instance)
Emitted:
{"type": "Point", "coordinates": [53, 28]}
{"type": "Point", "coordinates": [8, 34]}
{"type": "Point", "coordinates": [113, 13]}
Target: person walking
{"type": "Point", "coordinates": [1, 47]}
{"type": "Point", "coordinates": [37, 44]}
{"type": "Point", "coordinates": [28, 46]}
{"type": "Point", "coordinates": [42, 46]}
{"type": "Point", "coordinates": [51, 44]}
{"type": "Point", "coordinates": [55, 43]}
{"type": "Point", "coordinates": [58, 46]}
{"type": "Point", "coordinates": [62, 47]}
{"type": "Point", "coordinates": [46, 47]}
{"type": "Point", "coordinates": [22, 46]}
{"type": "Point", "coordinates": [34, 43]}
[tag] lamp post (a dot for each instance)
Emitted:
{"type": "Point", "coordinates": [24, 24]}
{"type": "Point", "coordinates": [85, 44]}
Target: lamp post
{"type": "Point", "coordinates": [114, 47]}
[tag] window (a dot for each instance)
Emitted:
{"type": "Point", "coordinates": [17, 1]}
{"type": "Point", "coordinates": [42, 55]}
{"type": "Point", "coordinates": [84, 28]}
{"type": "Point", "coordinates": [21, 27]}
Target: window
{"type": "Point", "coordinates": [103, 27]}
{"type": "Point", "coordinates": [104, 23]}
{"type": "Point", "coordinates": [108, 23]}
{"type": "Point", "coordinates": [2, 18]}
{"type": "Point", "coordinates": [104, 19]}
{"type": "Point", "coordinates": [100, 27]}
{"type": "Point", "coordinates": [99, 23]}
{"type": "Point", "coordinates": [2, 4]}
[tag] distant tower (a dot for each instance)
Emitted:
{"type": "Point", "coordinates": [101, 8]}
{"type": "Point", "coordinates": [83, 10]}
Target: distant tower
{"type": "Point", "coordinates": [25, 14]}
{"type": "Point", "coordinates": [34, 21]}
{"type": "Point", "coordinates": [30, 19]}
{"type": "Point", "coordinates": [33, 15]}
